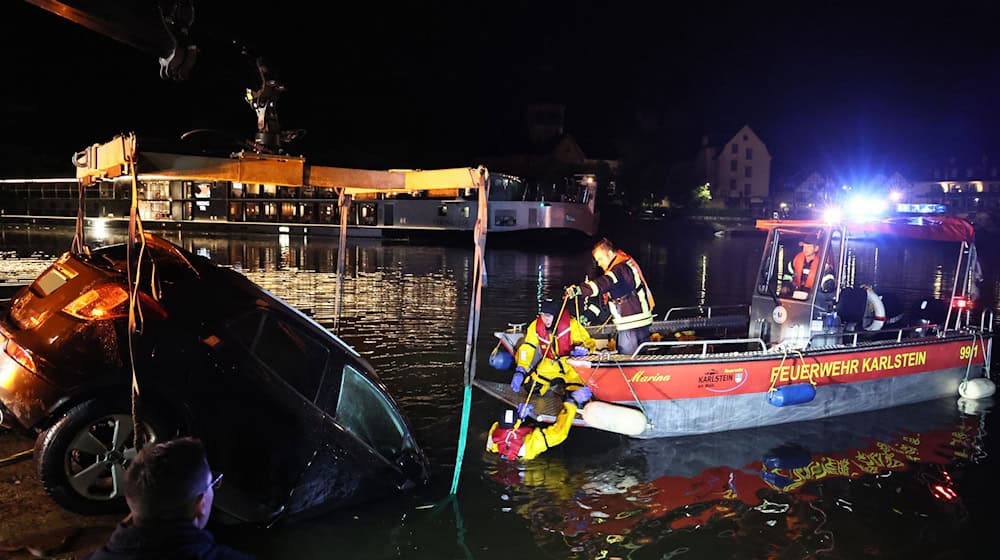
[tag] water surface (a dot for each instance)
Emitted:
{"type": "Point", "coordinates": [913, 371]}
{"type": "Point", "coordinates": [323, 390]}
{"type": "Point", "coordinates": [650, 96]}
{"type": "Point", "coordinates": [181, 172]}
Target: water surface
{"type": "Point", "coordinates": [911, 482]}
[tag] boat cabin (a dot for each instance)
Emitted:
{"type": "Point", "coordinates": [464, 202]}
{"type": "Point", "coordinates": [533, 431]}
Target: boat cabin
{"type": "Point", "coordinates": [818, 281]}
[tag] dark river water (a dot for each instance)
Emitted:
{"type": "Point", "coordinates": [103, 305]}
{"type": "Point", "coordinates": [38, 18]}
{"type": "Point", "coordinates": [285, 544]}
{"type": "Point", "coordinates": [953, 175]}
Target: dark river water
{"type": "Point", "coordinates": [911, 482]}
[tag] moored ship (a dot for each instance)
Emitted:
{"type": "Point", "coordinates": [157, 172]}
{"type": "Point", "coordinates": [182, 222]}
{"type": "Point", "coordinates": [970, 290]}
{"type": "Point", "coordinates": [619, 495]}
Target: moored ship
{"type": "Point", "coordinates": [517, 207]}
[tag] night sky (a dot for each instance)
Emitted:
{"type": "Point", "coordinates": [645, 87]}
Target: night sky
{"type": "Point", "coordinates": [440, 84]}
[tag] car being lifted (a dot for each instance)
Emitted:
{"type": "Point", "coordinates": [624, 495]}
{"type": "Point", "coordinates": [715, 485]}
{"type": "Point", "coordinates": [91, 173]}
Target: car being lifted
{"type": "Point", "coordinates": [294, 416]}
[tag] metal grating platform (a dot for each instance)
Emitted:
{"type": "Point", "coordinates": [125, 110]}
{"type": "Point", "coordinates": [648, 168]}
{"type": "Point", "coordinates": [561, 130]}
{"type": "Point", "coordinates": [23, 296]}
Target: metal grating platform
{"type": "Point", "coordinates": [546, 407]}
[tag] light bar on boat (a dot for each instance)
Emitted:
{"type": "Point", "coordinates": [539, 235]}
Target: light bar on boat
{"type": "Point", "coordinates": [863, 207]}
{"type": "Point", "coordinates": [909, 208]}
{"type": "Point", "coordinates": [832, 215]}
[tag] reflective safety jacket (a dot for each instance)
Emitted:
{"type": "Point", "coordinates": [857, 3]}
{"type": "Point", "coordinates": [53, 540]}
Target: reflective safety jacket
{"type": "Point", "coordinates": [526, 442]}
{"type": "Point", "coordinates": [567, 333]}
{"type": "Point", "coordinates": [627, 293]}
{"type": "Point", "coordinates": [558, 342]}
{"type": "Point", "coordinates": [804, 272]}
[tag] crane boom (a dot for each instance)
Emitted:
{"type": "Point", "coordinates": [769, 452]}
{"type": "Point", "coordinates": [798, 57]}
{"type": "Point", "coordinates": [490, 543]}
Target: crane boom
{"type": "Point", "coordinates": [160, 28]}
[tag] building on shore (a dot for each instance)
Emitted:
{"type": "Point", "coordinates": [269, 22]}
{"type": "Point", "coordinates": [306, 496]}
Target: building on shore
{"type": "Point", "coordinates": [970, 185]}
{"type": "Point", "coordinates": [738, 170]}
{"type": "Point", "coordinates": [818, 188]}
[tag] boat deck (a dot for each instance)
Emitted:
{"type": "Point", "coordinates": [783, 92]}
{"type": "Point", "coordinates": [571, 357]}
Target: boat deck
{"type": "Point", "coordinates": [546, 408]}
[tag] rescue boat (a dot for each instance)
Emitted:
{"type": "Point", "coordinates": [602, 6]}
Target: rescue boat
{"type": "Point", "coordinates": [796, 352]}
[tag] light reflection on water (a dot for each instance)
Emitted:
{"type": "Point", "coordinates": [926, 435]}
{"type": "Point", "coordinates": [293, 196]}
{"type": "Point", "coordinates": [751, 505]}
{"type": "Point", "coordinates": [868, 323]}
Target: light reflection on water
{"type": "Point", "coordinates": [900, 483]}
{"type": "Point", "coordinates": [794, 487]}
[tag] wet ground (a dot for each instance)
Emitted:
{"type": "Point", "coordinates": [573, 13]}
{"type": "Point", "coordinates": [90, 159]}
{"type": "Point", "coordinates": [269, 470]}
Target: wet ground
{"type": "Point", "coordinates": [31, 524]}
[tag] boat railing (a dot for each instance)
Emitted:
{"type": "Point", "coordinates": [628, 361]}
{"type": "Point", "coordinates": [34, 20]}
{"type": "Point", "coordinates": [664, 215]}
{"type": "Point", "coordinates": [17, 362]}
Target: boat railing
{"type": "Point", "coordinates": [855, 337]}
{"type": "Point", "coordinates": [963, 319]}
{"type": "Point", "coordinates": [703, 310]}
{"type": "Point", "coordinates": [985, 320]}
{"type": "Point", "coordinates": [703, 343]}
{"type": "Point", "coordinates": [986, 326]}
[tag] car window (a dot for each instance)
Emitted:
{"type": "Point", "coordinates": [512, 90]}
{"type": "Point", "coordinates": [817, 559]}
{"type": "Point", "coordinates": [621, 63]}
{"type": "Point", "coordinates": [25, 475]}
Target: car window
{"type": "Point", "coordinates": [287, 350]}
{"type": "Point", "coordinates": [246, 328]}
{"type": "Point", "coordinates": [364, 411]}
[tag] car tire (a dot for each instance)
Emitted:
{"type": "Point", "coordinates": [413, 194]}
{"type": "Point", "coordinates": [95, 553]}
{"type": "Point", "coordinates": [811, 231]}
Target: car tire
{"type": "Point", "coordinates": [82, 458]}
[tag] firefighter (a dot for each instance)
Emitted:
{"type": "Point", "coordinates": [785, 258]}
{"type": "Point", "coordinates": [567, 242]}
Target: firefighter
{"type": "Point", "coordinates": [513, 442]}
{"type": "Point", "coordinates": [806, 266]}
{"type": "Point", "coordinates": [548, 343]}
{"type": "Point", "coordinates": [626, 292]}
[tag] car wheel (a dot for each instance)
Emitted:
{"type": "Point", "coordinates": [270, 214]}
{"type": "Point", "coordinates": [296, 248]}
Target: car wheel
{"type": "Point", "coordinates": [82, 458]}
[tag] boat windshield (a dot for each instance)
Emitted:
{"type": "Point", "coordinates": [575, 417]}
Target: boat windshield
{"type": "Point", "coordinates": [796, 261]}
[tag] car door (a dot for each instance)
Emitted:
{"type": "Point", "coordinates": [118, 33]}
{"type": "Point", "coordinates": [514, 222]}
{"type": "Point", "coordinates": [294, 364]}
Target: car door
{"type": "Point", "coordinates": [263, 426]}
{"type": "Point", "coordinates": [361, 406]}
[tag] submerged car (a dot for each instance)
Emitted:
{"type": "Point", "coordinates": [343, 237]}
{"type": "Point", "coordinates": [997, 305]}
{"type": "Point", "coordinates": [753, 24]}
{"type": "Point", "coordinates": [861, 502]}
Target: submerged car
{"type": "Point", "coordinates": [297, 420]}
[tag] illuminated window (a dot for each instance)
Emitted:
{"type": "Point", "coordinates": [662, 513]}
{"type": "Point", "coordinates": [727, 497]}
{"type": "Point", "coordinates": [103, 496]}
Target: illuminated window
{"type": "Point", "coordinates": [235, 212]}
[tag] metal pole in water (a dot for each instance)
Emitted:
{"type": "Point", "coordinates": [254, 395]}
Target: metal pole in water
{"type": "Point", "coordinates": [344, 204]}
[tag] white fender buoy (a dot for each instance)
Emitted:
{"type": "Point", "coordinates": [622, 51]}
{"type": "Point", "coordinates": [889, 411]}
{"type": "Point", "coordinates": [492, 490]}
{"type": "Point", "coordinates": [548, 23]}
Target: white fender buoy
{"type": "Point", "coordinates": [978, 388]}
{"type": "Point", "coordinates": [877, 308]}
{"type": "Point", "coordinates": [614, 418]}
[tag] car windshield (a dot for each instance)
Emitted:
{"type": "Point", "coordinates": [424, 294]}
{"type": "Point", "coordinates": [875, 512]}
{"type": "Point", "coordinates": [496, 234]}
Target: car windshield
{"type": "Point", "coordinates": [367, 413]}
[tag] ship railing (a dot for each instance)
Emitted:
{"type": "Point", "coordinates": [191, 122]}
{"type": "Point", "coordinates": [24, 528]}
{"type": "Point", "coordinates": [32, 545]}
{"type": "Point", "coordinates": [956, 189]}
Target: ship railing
{"type": "Point", "coordinates": [703, 343]}
{"type": "Point", "coordinates": [985, 320]}
{"type": "Point", "coordinates": [930, 329]}
{"type": "Point", "coordinates": [855, 337]}
{"type": "Point", "coordinates": [703, 310]}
